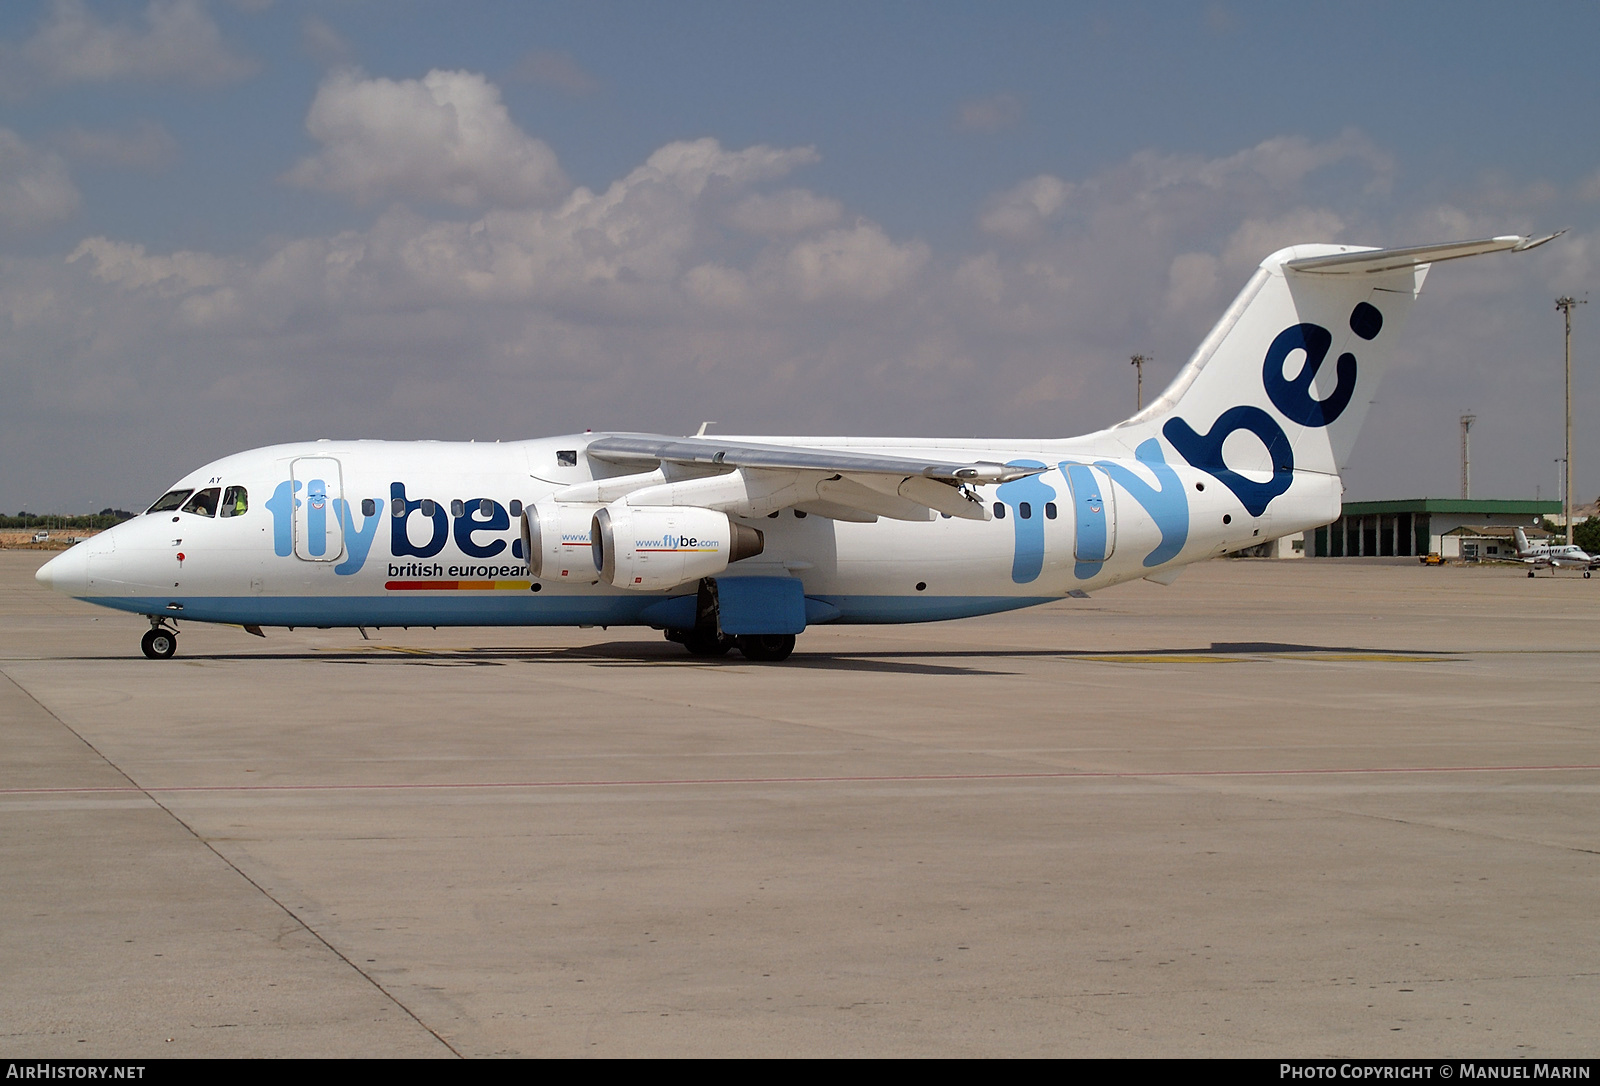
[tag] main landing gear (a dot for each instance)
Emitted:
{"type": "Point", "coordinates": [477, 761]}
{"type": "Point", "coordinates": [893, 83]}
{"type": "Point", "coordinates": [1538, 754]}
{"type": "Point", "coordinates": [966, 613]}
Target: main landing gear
{"type": "Point", "coordinates": [160, 642]}
{"type": "Point", "coordinates": [765, 648]}
{"type": "Point", "coordinates": [707, 644]}
{"type": "Point", "coordinates": [758, 648]}
{"type": "Point", "coordinates": [705, 637]}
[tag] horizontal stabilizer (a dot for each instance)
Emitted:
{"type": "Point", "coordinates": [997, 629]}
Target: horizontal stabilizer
{"type": "Point", "coordinates": [1372, 261]}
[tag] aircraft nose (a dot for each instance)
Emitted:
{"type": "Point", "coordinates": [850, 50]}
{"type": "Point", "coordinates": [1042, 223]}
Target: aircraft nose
{"type": "Point", "coordinates": [67, 572]}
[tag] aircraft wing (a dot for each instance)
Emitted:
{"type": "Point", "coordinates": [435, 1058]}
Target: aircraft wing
{"type": "Point", "coordinates": [709, 450]}
{"type": "Point", "coordinates": [840, 483]}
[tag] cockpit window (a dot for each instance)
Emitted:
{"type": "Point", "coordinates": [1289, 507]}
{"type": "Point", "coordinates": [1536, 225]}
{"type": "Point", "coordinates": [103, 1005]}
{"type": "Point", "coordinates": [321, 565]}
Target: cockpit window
{"type": "Point", "coordinates": [169, 501]}
{"type": "Point", "coordinates": [204, 504]}
{"type": "Point", "coordinates": [235, 502]}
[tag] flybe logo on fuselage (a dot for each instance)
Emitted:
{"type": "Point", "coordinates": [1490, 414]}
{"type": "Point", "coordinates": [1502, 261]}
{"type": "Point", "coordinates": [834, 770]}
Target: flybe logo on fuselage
{"type": "Point", "coordinates": [474, 530]}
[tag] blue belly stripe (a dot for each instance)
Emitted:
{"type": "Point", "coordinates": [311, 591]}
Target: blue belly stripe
{"type": "Point", "coordinates": [526, 610]}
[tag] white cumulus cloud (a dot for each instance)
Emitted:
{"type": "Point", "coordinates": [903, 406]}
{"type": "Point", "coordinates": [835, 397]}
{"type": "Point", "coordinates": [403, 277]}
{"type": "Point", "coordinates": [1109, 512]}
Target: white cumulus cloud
{"type": "Point", "coordinates": [446, 136]}
{"type": "Point", "coordinates": [861, 263]}
{"type": "Point", "coordinates": [1020, 212]}
{"type": "Point", "coordinates": [793, 211]}
{"type": "Point", "coordinates": [174, 41]}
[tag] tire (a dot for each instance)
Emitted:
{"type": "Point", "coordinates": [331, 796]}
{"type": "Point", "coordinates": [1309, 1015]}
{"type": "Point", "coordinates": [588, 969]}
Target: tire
{"type": "Point", "coordinates": [766, 648]}
{"type": "Point", "coordinates": [159, 644]}
{"type": "Point", "coordinates": [707, 644]}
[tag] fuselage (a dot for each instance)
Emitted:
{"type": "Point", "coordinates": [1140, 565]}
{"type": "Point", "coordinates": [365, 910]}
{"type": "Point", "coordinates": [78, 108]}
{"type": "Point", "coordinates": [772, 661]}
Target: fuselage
{"type": "Point", "coordinates": [1557, 554]}
{"type": "Point", "coordinates": [374, 533]}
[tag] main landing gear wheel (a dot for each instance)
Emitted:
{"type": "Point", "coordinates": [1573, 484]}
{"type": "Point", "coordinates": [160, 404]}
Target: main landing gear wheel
{"type": "Point", "coordinates": [1530, 573]}
{"type": "Point", "coordinates": [707, 644]}
{"type": "Point", "coordinates": [765, 648]}
{"type": "Point", "coordinates": [159, 644]}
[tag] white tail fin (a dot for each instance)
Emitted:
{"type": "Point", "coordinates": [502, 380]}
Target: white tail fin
{"type": "Point", "coordinates": [1522, 543]}
{"type": "Point", "coordinates": [1295, 362]}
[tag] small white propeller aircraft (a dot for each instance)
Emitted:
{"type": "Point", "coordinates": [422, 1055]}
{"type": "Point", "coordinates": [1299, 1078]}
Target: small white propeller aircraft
{"type": "Point", "coordinates": [745, 541]}
{"type": "Point", "coordinates": [1554, 555]}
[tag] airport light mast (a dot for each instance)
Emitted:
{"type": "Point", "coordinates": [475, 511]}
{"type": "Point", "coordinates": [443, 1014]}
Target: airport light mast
{"type": "Point", "coordinates": [1137, 363]}
{"type": "Point", "coordinates": [1466, 455]}
{"type": "Point", "coordinates": [1565, 305]}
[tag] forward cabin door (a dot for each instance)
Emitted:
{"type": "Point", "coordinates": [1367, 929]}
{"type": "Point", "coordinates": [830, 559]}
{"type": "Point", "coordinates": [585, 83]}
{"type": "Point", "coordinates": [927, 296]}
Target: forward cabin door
{"type": "Point", "coordinates": [318, 497]}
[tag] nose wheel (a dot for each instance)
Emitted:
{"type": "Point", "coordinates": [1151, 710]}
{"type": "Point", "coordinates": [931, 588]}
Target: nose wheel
{"type": "Point", "coordinates": [159, 643]}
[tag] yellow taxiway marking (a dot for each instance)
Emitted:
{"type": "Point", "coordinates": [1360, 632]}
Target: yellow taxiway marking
{"type": "Point", "coordinates": [1310, 657]}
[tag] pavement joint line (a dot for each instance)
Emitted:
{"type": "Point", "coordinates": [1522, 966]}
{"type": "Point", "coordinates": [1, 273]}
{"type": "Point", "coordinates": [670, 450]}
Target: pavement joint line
{"type": "Point", "coordinates": [135, 787]}
{"type": "Point", "coordinates": [883, 778]}
{"type": "Point", "coordinates": [1433, 824]}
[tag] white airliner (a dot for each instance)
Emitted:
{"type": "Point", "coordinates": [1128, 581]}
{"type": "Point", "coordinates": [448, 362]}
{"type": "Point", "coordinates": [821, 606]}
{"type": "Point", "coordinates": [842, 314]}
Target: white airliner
{"type": "Point", "coordinates": [724, 541]}
{"type": "Point", "coordinates": [1554, 555]}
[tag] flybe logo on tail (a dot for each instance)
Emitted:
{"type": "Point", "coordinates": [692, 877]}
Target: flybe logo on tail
{"type": "Point", "coordinates": [1292, 397]}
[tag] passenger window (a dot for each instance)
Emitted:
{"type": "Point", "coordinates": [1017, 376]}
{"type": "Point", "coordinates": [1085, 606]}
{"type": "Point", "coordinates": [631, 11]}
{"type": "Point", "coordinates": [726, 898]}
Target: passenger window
{"type": "Point", "coordinates": [516, 507]}
{"type": "Point", "coordinates": [235, 502]}
{"type": "Point", "coordinates": [204, 504]}
{"type": "Point", "coordinates": [567, 458]}
{"type": "Point", "coordinates": [458, 509]}
{"type": "Point", "coordinates": [999, 511]}
{"type": "Point", "coordinates": [485, 508]}
{"type": "Point", "coordinates": [1049, 510]}
{"type": "Point", "coordinates": [169, 501]}
{"type": "Point", "coordinates": [397, 508]}
{"type": "Point", "coordinates": [429, 507]}
{"type": "Point", "coordinates": [368, 507]}
{"type": "Point", "coordinates": [1025, 510]}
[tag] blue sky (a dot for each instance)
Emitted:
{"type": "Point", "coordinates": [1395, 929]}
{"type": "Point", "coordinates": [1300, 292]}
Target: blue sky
{"type": "Point", "coordinates": [230, 224]}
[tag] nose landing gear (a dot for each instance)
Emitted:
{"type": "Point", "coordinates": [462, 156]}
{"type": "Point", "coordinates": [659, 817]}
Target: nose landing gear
{"type": "Point", "coordinates": [160, 642]}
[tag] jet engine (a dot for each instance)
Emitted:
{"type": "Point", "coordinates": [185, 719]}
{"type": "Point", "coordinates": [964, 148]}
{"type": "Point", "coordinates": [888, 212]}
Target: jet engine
{"type": "Point", "coordinates": [649, 548]}
{"type": "Point", "coordinates": [555, 537]}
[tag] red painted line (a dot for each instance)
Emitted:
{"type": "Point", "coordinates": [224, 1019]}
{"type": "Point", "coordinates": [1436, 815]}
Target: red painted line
{"type": "Point", "coordinates": [865, 779]}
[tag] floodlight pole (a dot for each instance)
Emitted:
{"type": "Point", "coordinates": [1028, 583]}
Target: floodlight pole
{"type": "Point", "coordinates": [1466, 455]}
{"type": "Point", "coordinates": [1565, 305]}
{"type": "Point", "coordinates": [1138, 362]}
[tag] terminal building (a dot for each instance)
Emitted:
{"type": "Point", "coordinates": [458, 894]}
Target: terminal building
{"type": "Point", "coordinates": [1452, 527]}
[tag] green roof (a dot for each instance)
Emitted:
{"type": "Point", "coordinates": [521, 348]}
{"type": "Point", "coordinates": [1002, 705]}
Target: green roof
{"type": "Point", "coordinates": [1466, 506]}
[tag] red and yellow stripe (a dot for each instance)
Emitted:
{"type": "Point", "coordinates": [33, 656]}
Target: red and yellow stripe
{"type": "Point", "coordinates": [458, 586]}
